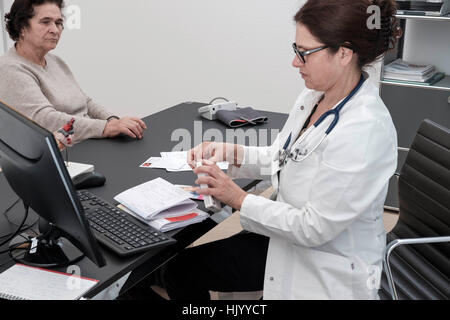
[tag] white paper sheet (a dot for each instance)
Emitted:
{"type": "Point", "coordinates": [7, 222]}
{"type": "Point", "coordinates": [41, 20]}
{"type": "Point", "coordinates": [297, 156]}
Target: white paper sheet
{"type": "Point", "coordinates": [173, 162]}
{"type": "Point", "coordinates": [153, 197]}
{"type": "Point", "coordinates": [182, 156]}
{"type": "Point", "coordinates": [162, 163]}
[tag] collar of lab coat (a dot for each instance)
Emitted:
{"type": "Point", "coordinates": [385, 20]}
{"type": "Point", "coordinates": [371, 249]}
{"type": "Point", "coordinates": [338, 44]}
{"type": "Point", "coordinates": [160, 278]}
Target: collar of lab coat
{"type": "Point", "coordinates": [308, 100]}
{"type": "Point", "coordinates": [313, 97]}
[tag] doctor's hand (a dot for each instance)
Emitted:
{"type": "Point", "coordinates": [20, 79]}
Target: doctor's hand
{"type": "Point", "coordinates": [130, 126]}
{"type": "Point", "coordinates": [216, 152]}
{"type": "Point", "coordinates": [220, 186]}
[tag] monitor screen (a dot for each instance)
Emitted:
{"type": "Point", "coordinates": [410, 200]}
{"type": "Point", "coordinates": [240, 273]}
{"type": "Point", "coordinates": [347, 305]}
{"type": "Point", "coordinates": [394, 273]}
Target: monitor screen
{"type": "Point", "coordinates": [33, 166]}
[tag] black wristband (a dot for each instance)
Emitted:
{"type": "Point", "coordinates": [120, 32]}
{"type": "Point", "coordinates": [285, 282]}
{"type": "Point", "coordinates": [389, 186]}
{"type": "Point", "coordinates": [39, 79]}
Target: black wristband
{"type": "Point", "coordinates": [112, 117]}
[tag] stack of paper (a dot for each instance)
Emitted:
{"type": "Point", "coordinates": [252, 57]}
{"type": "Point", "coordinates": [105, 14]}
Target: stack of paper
{"type": "Point", "coordinates": [174, 162]}
{"type": "Point", "coordinates": [167, 224]}
{"type": "Point", "coordinates": [404, 71]}
{"type": "Point", "coordinates": [158, 203]}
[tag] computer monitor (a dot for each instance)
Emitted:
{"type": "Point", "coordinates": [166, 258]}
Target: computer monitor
{"type": "Point", "coordinates": [33, 166]}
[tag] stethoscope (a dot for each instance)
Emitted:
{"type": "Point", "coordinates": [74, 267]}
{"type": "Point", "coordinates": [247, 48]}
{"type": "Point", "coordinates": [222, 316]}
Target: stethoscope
{"type": "Point", "coordinates": [299, 155]}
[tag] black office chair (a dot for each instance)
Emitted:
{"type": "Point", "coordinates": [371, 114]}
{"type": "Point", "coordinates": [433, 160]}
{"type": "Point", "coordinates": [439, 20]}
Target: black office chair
{"type": "Point", "coordinates": [420, 267]}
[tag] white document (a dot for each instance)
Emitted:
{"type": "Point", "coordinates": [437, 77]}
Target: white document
{"type": "Point", "coordinates": [155, 199]}
{"type": "Point", "coordinates": [182, 157]}
{"type": "Point", "coordinates": [162, 163]}
{"type": "Point", "coordinates": [22, 282]}
{"type": "Point", "coordinates": [178, 156]}
{"type": "Point", "coordinates": [75, 169]}
{"type": "Point", "coordinates": [173, 162]}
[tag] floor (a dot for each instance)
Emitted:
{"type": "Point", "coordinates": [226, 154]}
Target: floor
{"type": "Point", "coordinates": [232, 226]}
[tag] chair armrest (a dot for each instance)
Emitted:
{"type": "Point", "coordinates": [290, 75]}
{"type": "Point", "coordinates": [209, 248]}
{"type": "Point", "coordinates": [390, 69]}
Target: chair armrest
{"type": "Point", "coordinates": [400, 149]}
{"type": "Point", "coordinates": [399, 242]}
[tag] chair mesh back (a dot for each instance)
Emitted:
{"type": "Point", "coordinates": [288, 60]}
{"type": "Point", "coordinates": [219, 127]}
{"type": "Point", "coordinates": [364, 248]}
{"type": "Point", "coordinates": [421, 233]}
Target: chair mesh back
{"type": "Point", "coordinates": [423, 271]}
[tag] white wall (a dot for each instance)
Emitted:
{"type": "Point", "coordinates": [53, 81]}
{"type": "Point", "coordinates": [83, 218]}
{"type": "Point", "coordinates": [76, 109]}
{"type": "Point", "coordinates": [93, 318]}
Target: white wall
{"type": "Point", "coordinates": [2, 28]}
{"type": "Point", "coordinates": [428, 42]}
{"type": "Point", "coordinates": [142, 56]}
{"type": "Point", "coordinates": [139, 57]}
{"type": "Point", "coordinates": [6, 6]}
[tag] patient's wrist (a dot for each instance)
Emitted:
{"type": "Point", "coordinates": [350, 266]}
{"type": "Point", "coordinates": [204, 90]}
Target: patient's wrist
{"type": "Point", "coordinates": [108, 131]}
{"type": "Point", "coordinates": [112, 118]}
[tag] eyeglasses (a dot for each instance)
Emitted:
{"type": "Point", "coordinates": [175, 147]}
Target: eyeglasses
{"type": "Point", "coordinates": [302, 54]}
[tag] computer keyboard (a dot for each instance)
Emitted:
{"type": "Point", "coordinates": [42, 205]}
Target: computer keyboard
{"type": "Point", "coordinates": [117, 230]}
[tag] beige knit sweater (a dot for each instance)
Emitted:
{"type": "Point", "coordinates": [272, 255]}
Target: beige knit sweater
{"type": "Point", "coordinates": [49, 95]}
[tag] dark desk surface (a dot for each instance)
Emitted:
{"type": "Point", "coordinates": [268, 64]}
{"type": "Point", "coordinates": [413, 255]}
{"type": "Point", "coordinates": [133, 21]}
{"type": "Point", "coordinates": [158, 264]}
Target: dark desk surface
{"type": "Point", "coordinates": [119, 160]}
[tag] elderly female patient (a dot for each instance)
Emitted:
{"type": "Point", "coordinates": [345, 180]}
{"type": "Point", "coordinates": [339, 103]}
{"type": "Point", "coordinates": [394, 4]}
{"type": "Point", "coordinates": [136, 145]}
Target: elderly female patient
{"type": "Point", "coordinates": [41, 85]}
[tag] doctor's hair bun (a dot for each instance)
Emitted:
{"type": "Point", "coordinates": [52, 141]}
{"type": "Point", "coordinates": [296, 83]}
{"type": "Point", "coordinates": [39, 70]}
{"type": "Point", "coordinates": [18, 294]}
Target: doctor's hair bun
{"type": "Point", "coordinates": [390, 31]}
{"type": "Point", "coordinates": [20, 14]}
{"type": "Point", "coordinates": [368, 27]}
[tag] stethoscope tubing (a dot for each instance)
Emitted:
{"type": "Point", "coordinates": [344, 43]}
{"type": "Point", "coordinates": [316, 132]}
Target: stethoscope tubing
{"type": "Point", "coordinates": [334, 112]}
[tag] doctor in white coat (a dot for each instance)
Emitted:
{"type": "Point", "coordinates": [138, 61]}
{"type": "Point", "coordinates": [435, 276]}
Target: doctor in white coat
{"type": "Point", "coordinates": [329, 167]}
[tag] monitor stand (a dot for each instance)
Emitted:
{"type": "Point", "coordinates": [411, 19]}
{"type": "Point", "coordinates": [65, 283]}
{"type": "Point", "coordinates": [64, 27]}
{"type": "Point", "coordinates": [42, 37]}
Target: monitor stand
{"type": "Point", "coordinates": [5, 228]}
{"type": "Point", "coordinates": [6, 192]}
{"type": "Point", "coordinates": [48, 250]}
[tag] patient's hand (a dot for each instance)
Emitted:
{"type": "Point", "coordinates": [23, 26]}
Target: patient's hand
{"type": "Point", "coordinates": [130, 126]}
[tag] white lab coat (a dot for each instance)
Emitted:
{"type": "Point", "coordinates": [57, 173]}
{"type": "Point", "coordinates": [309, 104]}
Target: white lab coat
{"type": "Point", "coordinates": [325, 226]}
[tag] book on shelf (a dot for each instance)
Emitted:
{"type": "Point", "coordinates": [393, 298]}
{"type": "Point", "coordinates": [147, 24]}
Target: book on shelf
{"type": "Point", "coordinates": [405, 71]}
{"type": "Point", "coordinates": [437, 77]}
{"type": "Point", "coordinates": [422, 7]}
{"type": "Point", "coordinates": [420, 13]}
{"type": "Point", "coordinates": [161, 204]}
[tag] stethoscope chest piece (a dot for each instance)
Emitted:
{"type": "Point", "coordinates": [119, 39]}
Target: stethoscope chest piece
{"type": "Point", "coordinates": [283, 156]}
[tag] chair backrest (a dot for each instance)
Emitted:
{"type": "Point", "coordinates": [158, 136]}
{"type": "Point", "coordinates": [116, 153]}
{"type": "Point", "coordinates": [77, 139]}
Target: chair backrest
{"type": "Point", "coordinates": [423, 271]}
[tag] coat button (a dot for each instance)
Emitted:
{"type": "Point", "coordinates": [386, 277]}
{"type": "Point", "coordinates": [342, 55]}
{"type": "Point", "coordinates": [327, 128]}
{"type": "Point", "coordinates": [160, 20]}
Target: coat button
{"type": "Point", "coordinates": [271, 278]}
{"type": "Point", "coordinates": [302, 108]}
